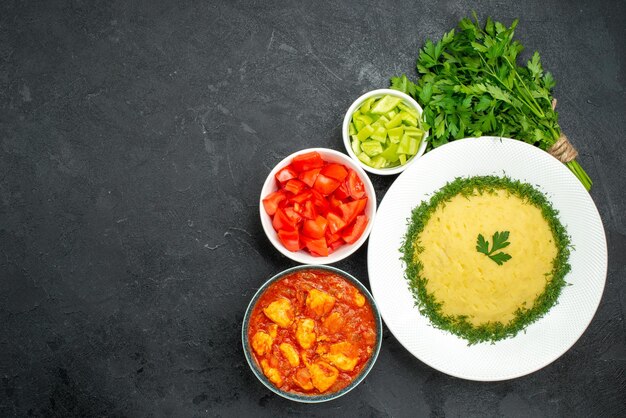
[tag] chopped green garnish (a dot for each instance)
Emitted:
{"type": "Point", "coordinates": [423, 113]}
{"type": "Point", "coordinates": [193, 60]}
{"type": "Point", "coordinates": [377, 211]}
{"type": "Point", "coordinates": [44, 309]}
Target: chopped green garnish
{"type": "Point", "coordinates": [385, 117]}
{"type": "Point", "coordinates": [352, 129]}
{"type": "Point", "coordinates": [395, 134]}
{"type": "Point", "coordinates": [408, 109]}
{"type": "Point", "coordinates": [371, 148]}
{"type": "Point", "coordinates": [409, 119]}
{"type": "Point", "coordinates": [367, 105]}
{"type": "Point", "coordinates": [412, 131]}
{"type": "Point", "coordinates": [386, 104]}
{"type": "Point", "coordinates": [356, 145]}
{"type": "Point", "coordinates": [365, 133]}
{"type": "Point", "coordinates": [380, 134]}
{"type": "Point", "coordinates": [390, 153]}
{"type": "Point", "coordinates": [358, 124]}
{"type": "Point", "coordinates": [366, 119]}
{"type": "Point", "coordinates": [394, 122]}
{"type": "Point", "coordinates": [379, 162]}
{"type": "Point", "coordinates": [364, 158]}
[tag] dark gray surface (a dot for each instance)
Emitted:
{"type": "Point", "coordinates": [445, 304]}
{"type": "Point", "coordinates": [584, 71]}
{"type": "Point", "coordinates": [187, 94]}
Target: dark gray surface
{"type": "Point", "coordinates": [135, 137]}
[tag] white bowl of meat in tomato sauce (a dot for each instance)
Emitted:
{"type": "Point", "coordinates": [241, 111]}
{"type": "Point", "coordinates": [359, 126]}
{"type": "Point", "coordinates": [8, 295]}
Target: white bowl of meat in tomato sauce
{"type": "Point", "coordinates": [311, 333]}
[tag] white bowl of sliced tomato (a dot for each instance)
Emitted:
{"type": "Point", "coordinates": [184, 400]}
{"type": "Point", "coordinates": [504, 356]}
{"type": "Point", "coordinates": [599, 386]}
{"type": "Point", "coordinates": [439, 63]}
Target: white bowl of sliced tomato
{"type": "Point", "coordinates": [317, 206]}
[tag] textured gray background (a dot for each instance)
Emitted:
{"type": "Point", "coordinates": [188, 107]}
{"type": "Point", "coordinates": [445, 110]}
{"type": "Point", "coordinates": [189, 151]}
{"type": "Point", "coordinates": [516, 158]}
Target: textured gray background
{"type": "Point", "coordinates": [135, 137]}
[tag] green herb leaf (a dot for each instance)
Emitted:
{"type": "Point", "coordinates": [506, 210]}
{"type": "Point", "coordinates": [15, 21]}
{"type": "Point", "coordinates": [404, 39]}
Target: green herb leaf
{"type": "Point", "coordinates": [478, 65]}
{"type": "Point", "coordinates": [500, 258]}
{"type": "Point", "coordinates": [500, 241]}
{"type": "Point", "coordinates": [482, 246]}
{"type": "Point", "coordinates": [403, 84]}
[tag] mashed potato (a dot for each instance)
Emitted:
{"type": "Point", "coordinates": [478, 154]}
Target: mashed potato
{"type": "Point", "coordinates": [467, 282]}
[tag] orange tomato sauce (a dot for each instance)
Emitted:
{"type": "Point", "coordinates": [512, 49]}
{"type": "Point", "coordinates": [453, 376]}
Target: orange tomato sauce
{"type": "Point", "coordinates": [312, 332]}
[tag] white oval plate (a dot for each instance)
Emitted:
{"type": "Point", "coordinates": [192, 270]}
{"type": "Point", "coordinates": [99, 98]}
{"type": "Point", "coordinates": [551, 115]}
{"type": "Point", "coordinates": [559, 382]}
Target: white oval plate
{"type": "Point", "coordinates": [545, 340]}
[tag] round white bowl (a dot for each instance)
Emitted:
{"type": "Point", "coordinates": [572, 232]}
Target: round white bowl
{"type": "Point", "coordinates": [408, 100]}
{"type": "Point", "coordinates": [345, 250]}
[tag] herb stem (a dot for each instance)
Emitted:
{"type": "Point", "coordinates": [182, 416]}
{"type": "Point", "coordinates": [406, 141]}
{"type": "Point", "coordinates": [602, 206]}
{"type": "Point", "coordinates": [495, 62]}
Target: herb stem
{"type": "Point", "coordinates": [529, 94]}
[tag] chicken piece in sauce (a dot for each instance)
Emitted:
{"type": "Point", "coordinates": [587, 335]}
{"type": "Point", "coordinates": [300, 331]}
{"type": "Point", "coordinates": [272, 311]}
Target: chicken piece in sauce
{"type": "Point", "coordinates": [359, 299]}
{"type": "Point", "coordinates": [323, 375]}
{"type": "Point", "coordinates": [262, 342]}
{"type": "Point", "coordinates": [320, 302]}
{"type": "Point", "coordinates": [273, 330]}
{"type": "Point", "coordinates": [272, 373]}
{"type": "Point", "coordinates": [302, 377]}
{"type": "Point", "coordinates": [343, 355]}
{"type": "Point", "coordinates": [290, 353]}
{"type": "Point", "coordinates": [280, 312]}
{"type": "Point", "coordinates": [333, 322]}
{"type": "Point", "coordinates": [305, 332]}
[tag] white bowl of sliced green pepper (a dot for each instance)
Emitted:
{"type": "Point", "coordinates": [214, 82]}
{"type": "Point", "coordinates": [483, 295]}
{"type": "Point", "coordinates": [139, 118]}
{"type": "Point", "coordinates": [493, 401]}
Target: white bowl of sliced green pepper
{"type": "Point", "coordinates": [383, 131]}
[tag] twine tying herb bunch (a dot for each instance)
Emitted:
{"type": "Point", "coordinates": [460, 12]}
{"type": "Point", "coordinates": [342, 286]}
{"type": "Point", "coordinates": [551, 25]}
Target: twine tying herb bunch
{"type": "Point", "coordinates": [470, 85]}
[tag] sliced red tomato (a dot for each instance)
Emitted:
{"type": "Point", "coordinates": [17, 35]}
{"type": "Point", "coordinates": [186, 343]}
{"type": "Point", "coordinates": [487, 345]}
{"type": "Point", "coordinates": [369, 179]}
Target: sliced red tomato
{"type": "Point", "coordinates": [292, 215]}
{"type": "Point", "coordinates": [325, 185]}
{"type": "Point", "coordinates": [282, 221]}
{"type": "Point", "coordinates": [334, 202]}
{"type": "Point", "coordinates": [355, 186]}
{"type": "Point", "coordinates": [309, 210]}
{"type": "Point", "coordinates": [342, 192]}
{"type": "Point", "coordinates": [290, 239]}
{"type": "Point", "coordinates": [316, 246]}
{"type": "Point", "coordinates": [354, 231]}
{"type": "Point", "coordinates": [319, 201]}
{"type": "Point", "coordinates": [315, 228]}
{"type": "Point", "coordinates": [349, 211]}
{"type": "Point", "coordinates": [271, 202]}
{"type": "Point", "coordinates": [286, 174]}
{"type": "Point", "coordinates": [335, 223]}
{"type": "Point", "coordinates": [335, 171]}
{"type": "Point", "coordinates": [309, 176]}
{"type": "Point", "coordinates": [283, 203]}
{"type": "Point", "coordinates": [294, 186]}
{"type": "Point", "coordinates": [306, 209]}
{"type": "Point", "coordinates": [330, 237]}
{"type": "Point", "coordinates": [302, 197]}
{"type": "Point", "coordinates": [308, 161]}
{"type": "Point", "coordinates": [336, 244]}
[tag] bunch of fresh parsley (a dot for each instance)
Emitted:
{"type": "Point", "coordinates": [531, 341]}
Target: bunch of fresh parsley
{"type": "Point", "coordinates": [470, 85]}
